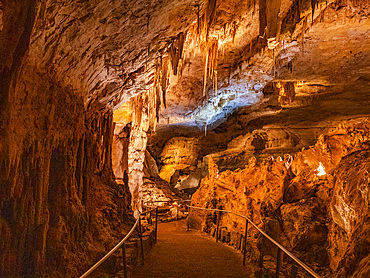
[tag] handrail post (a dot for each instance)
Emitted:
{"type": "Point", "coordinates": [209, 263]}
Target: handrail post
{"type": "Point", "coordinates": [188, 220]}
{"type": "Point", "coordinates": [261, 259]}
{"type": "Point", "coordinates": [245, 241]}
{"type": "Point", "coordinates": [294, 271]}
{"type": "Point", "coordinates": [278, 262]}
{"type": "Point", "coordinates": [156, 223]}
{"type": "Point", "coordinates": [124, 261]}
{"type": "Point", "coordinates": [141, 242]}
{"type": "Point", "coordinates": [218, 224]}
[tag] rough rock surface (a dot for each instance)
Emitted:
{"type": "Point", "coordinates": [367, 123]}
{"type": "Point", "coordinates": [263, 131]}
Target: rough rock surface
{"type": "Point", "coordinates": [350, 213]}
{"type": "Point", "coordinates": [65, 65]}
{"type": "Point", "coordinates": [325, 225]}
{"type": "Point", "coordinates": [178, 153]}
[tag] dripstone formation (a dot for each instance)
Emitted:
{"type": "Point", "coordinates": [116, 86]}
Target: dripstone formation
{"type": "Point", "coordinates": [105, 105]}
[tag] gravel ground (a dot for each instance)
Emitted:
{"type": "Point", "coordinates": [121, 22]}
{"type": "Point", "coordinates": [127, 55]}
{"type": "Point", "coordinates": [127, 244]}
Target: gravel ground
{"type": "Point", "coordinates": [181, 253]}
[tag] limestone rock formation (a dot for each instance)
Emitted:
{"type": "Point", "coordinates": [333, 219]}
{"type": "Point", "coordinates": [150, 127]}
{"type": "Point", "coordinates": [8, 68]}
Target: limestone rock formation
{"type": "Point", "coordinates": [350, 212]}
{"type": "Point", "coordinates": [178, 153]}
{"type": "Point", "coordinates": [304, 228]}
{"type": "Point", "coordinates": [93, 92]}
{"type": "Point", "coordinates": [324, 219]}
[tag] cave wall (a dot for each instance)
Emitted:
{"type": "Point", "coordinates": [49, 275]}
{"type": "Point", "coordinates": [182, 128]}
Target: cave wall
{"type": "Point", "coordinates": [322, 216]}
{"type": "Point", "coordinates": [64, 65]}
{"type": "Point", "coordinates": [58, 189]}
{"type": "Point", "coordinates": [60, 210]}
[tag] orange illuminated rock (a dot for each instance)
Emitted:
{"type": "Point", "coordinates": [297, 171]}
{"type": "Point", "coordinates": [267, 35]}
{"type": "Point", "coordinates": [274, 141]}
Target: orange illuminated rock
{"type": "Point", "coordinates": [320, 198]}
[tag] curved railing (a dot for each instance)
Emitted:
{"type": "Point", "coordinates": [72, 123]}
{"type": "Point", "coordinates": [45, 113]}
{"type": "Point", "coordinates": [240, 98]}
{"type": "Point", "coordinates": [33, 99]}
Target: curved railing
{"type": "Point", "coordinates": [122, 245]}
{"type": "Point", "coordinates": [278, 245]}
{"type": "Point", "coordinates": [219, 211]}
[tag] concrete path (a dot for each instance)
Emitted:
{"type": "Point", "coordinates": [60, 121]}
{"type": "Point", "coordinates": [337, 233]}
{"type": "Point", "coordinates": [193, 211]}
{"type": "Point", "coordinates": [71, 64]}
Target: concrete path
{"type": "Point", "coordinates": [180, 254]}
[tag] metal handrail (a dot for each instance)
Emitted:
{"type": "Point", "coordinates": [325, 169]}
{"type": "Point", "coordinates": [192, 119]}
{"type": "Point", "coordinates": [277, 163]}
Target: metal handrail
{"type": "Point", "coordinates": [282, 248]}
{"type": "Point", "coordinates": [168, 201]}
{"type": "Point", "coordinates": [115, 248]}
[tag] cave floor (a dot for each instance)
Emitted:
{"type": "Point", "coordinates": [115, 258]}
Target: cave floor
{"type": "Point", "coordinates": [182, 253]}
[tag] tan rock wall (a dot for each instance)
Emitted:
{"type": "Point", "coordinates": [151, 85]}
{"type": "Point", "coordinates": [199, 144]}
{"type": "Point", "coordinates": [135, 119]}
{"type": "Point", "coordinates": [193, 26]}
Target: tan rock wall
{"type": "Point", "coordinates": [322, 215]}
{"type": "Point", "coordinates": [57, 184]}
{"type": "Point", "coordinates": [60, 208]}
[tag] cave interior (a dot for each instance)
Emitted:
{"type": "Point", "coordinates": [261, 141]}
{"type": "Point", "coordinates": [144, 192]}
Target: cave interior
{"type": "Point", "coordinates": [261, 107]}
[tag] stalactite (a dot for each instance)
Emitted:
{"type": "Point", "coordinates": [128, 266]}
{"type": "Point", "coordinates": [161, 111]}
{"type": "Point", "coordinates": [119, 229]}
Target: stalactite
{"type": "Point", "coordinates": [138, 108]}
{"type": "Point", "coordinates": [313, 4]}
{"type": "Point", "coordinates": [215, 83]}
{"type": "Point", "coordinates": [233, 31]}
{"type": "Point", "coordinates": [214, 63]}
{"type": "Point", "coordinates": [164, 79]}
{"type": "Point", "coordinates": [210, 65]}
{"type": "Point", "coordinates": [304, 27]}
{"type": "Point", "coordinates": [158, 101]}
{"type": "Point", "coordinates": [210, 13]}
{"type": "Point", "coordinates": [197, 5]}
{"type": "Point", "coordinates": [208, 47]}
{"type": "Point", "coordinates": [152, 108]}
{"type": "Point", "coordinates": [109, 140]}
{"type": "Point", "coordinates": [205, 75]}
{"type": "Point", "coordinates": [175, 51]}
{"type": "Point", "coordinates": [262, 17]}
{"type": "Point", "coordinates": [322, 15]}
{"type": "Point", "coordinates": [157, 86]}
{"type": "Point", "coordinates": [181, 39]}
{"type": "Point", "coordinates": [296, 10]}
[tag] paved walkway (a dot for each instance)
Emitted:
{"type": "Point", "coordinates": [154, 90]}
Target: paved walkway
{"type": "Point", "coordinates": [180, 254]}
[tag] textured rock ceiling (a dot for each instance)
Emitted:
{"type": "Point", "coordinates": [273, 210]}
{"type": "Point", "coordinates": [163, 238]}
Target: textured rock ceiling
{"type": "Point", "coordinates": [226, 63]}
{"type": "Point", "coordinates": [196, 62]}
{"type": "Point", "coordinates": [105, 49]}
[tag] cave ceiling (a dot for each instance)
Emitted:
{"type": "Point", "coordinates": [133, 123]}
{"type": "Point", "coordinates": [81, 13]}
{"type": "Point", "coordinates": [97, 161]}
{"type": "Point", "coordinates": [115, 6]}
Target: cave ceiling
{"type": "Point", "coordinates": [202, 59]}
{"type": "Point", "coordinates": [105, 50]}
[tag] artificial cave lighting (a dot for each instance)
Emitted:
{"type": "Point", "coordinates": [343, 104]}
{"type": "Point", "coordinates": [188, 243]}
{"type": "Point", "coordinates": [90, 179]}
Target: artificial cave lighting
{"type": "Point", "coordinates": [320, 170]}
